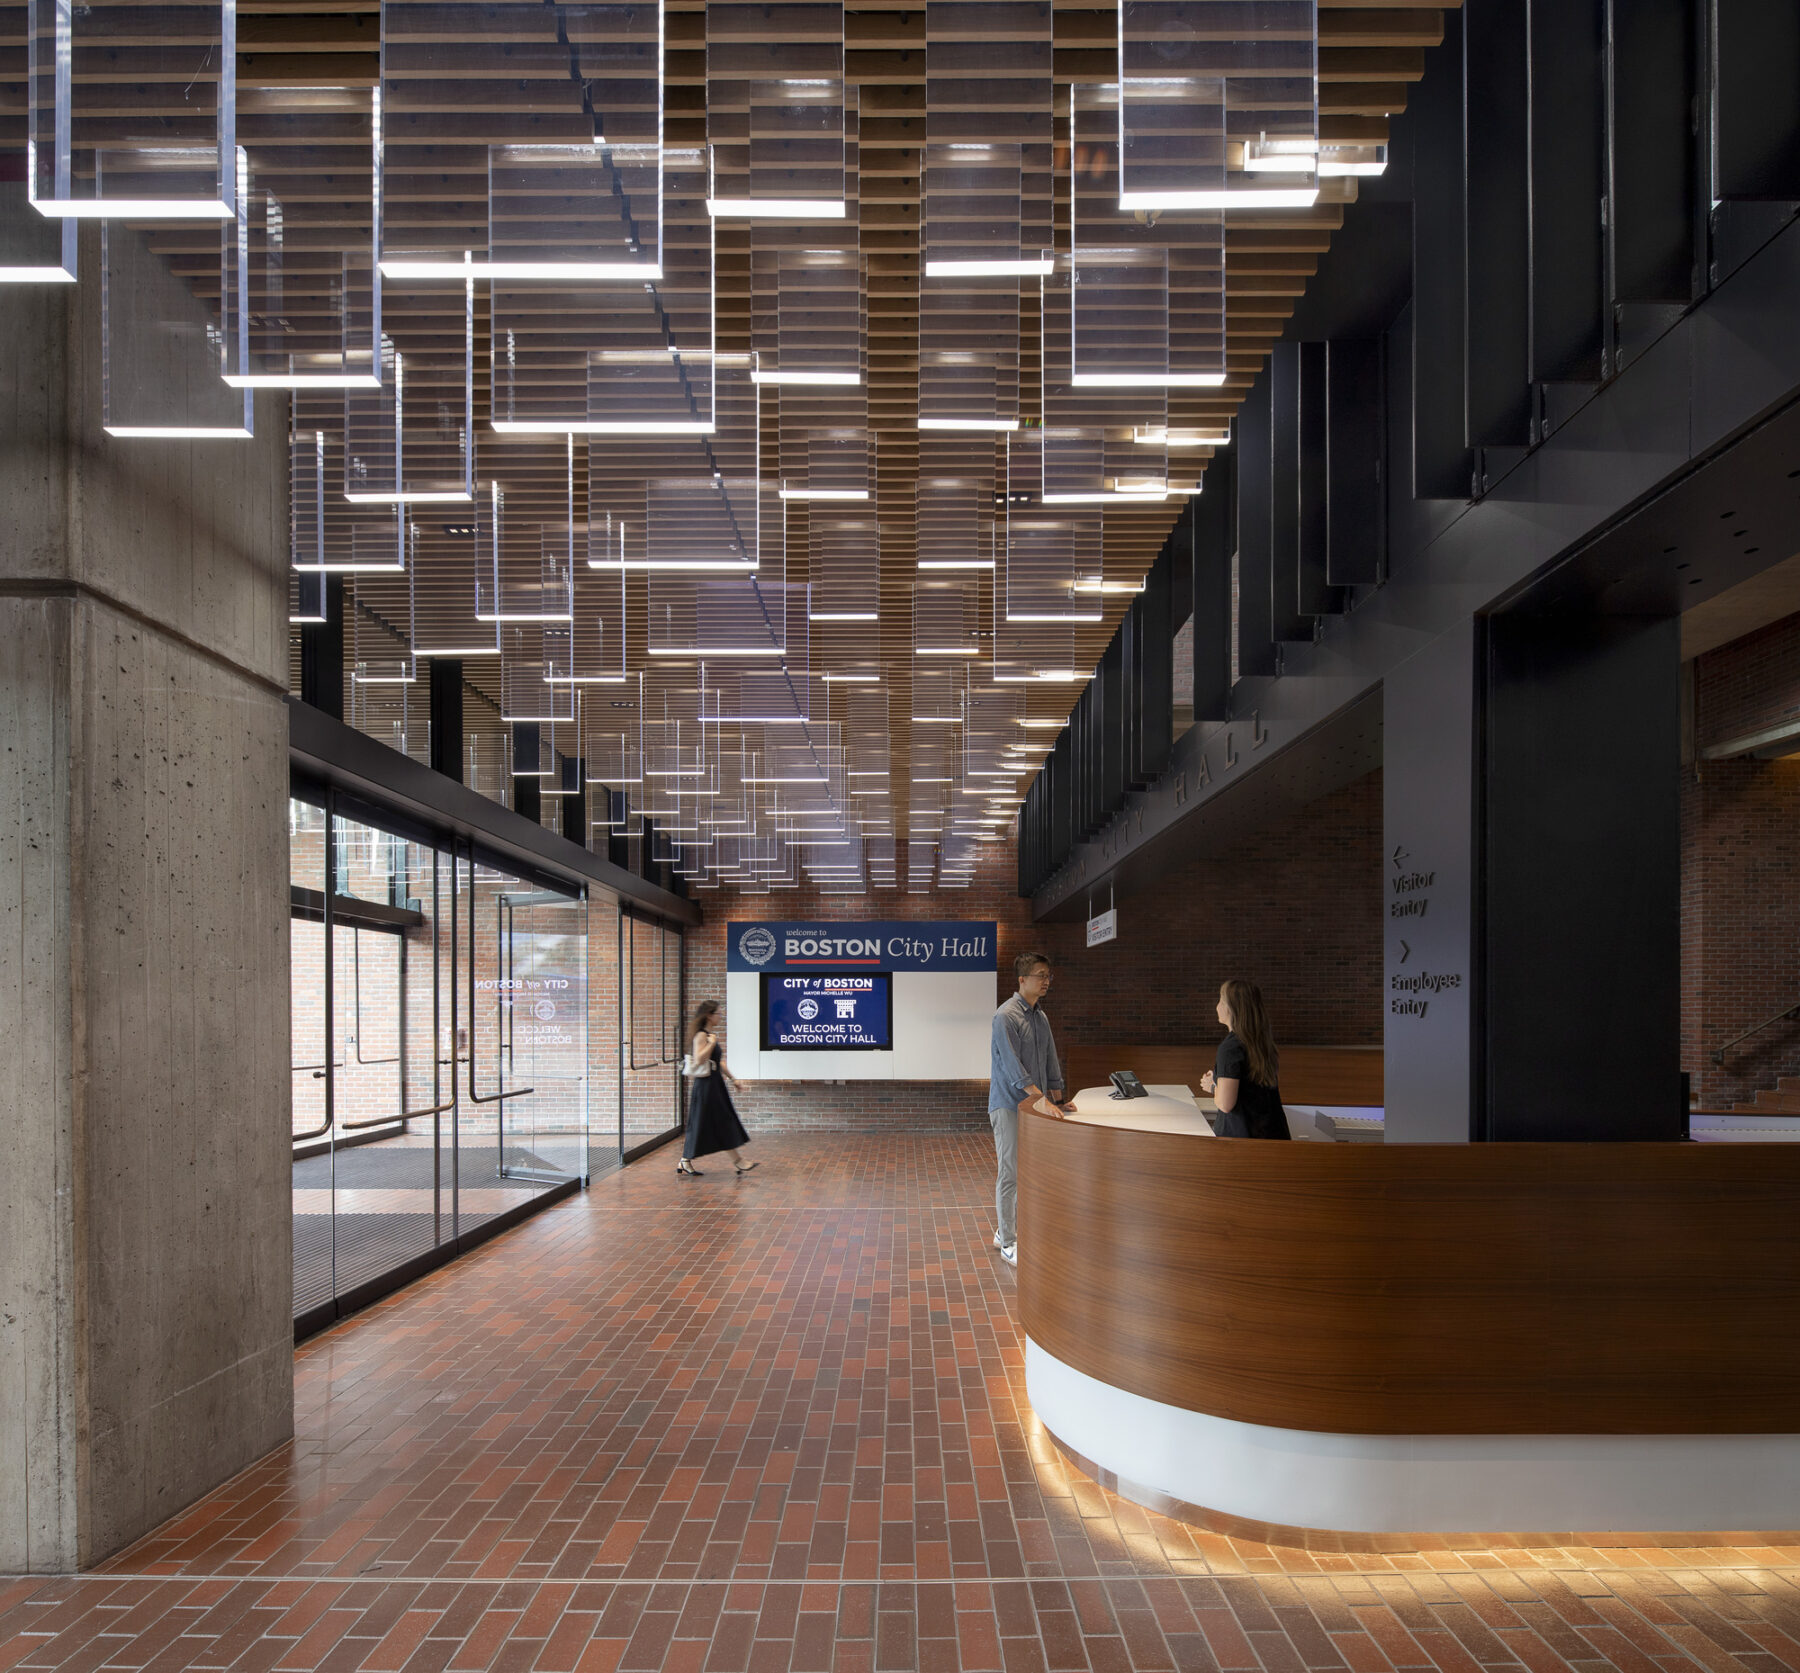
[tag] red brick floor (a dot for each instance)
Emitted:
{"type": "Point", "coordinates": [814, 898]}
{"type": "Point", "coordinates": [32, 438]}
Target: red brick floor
{"type": "Point", "coordinates": [778, 1424]}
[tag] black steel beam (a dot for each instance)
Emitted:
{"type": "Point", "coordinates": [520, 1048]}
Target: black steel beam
{"type": "Point", "coordinates": [1497, 224]}
{"type": "Point", "coordinates": [1214, 544]}
{"type": "Point", "coordinates": [330, 751]}
{"type": "Point", "coordinates": [447, 716]}
{"type": "Point", "coordinates": [1255, 532]}
{"type": "Point", "coordinates": [1568, 186]}
{"type": "Point", "coordinates": [1441, 464]}
{"type": "Point", "coordinates": [1356, 431]}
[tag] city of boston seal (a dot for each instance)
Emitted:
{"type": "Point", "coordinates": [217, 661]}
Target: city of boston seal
{"type": "Point", "coordinates": [757, 945]}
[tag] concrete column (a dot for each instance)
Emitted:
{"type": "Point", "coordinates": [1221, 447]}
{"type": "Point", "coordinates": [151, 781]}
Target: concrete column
{"type": "Point", "coordinates": [145, 1241]}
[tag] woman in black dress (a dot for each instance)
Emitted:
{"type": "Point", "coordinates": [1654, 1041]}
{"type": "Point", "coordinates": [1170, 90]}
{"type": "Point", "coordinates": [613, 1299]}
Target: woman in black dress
{"type": "Point", "coordinates": [1244, 1080]}
{"type": "Point", "coordinates": [712, 1123]}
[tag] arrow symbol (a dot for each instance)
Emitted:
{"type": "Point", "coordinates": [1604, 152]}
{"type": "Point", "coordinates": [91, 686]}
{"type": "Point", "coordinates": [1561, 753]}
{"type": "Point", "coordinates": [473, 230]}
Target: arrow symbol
{"type": "Point", "coordinates": [1400, 854]}
{"type": "Point", "coordinates": [1405, 952]}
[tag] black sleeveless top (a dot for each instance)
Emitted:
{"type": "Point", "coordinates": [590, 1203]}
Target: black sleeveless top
{"type": "Point", "coordinates": [1258, 1105]}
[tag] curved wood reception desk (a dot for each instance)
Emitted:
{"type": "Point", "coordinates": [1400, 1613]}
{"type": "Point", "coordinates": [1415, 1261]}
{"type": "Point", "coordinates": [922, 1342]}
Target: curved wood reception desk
{"type": "Point", "coordinates": [1595, 1314]}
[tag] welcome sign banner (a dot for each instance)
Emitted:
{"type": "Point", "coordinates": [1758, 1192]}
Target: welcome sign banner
{"type": "Point", "coordinates": [873, 946]}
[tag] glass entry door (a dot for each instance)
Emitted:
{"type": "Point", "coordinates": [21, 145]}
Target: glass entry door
{"type": "Point", "coordinates": [439, 1018]}
{"type": "Point", "coordinates": [652, 995]}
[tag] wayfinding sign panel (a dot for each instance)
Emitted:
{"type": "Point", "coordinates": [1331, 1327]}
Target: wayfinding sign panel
{"type": "Point", "coordinates": [858, 945]}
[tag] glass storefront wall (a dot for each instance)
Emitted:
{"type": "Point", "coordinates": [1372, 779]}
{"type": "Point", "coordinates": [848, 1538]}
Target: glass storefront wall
{"type": "Point", "coordinates": [451, 1062]}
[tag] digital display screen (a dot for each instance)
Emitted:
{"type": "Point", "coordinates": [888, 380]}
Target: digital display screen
{"type": "Point", "coordinates": [828, 1013]}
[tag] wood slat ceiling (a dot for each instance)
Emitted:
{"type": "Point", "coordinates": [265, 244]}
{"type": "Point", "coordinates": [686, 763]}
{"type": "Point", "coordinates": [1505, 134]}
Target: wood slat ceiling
{"type": "Point", "coordinates": [1369, 55]}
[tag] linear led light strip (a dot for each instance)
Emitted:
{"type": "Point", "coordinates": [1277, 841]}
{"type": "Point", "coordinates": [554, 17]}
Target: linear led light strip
{"type": "Point", "coordinates": [776, 376]}
{"type": "Point", "coordinates": [1245, 197]}
{"type": "Point", "coordinates": [735, 566]}
{"type": "Point", "coordinates": [984, 424]}
{"type": "Point", "coordinates": [565, 271]}
{"type": "Point", "coordinates": [956, 563]}
{"type": "Point", "coordinates": [824, 493]}
{"type": "Point", "coordinates": [1145, 380]}
{"type": "Point", "coordinates": [785, 209]}
{"type": "Point", "coordinates": [600, 427]}
{"type": "Point", "coordinates": [1111, 496]}
{"type": "Point", "coordinates": [173, 432]}
{"type": "Point", "coordinates": [1027, 267]}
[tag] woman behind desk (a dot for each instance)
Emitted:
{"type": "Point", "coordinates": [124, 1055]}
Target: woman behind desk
{"type": "Point", "coordinates": [1244, 1081]}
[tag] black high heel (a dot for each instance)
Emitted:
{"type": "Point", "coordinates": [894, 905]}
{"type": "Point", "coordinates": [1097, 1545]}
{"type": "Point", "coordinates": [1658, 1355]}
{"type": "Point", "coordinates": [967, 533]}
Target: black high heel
{"type": "Point", "coordinates": [747, 1167]}
{"type": "Point", "coordinates": [687, 1171]}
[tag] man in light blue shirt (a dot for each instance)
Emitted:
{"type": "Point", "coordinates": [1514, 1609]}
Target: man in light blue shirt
{"type": "Point", "coordinates": [1023, 1069]}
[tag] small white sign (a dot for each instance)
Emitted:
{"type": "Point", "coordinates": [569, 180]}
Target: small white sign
{"type": "Point", "coordinates": [1105, 927]}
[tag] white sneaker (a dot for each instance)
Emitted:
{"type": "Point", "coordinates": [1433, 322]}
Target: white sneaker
{"type": "Point", "coordinates": [1009, 1252]}
{"type": "Point", "coordinates": [997, 1243]}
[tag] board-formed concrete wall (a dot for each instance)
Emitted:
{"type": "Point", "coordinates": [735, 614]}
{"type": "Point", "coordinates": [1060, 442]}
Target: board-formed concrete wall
{"type": "Point", "coordinates": [145, 1253]}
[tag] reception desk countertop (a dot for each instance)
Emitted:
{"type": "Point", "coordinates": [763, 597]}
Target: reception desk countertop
{"type": "Point", "coordinates": [1168, 1109]}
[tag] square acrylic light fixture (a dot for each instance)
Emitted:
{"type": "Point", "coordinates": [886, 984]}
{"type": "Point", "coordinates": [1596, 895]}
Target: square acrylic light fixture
{"type": "Point", "coordinates": [525, 539]}
{"type": "Point", "coordinates": [306, 597]}
{"type": "Point", "coordinates": [696, 617]}
{"type": "Point", "coordinates": [573, 153]}
{"type": "Point", "coordinates": [380, 624]}
{"type": "Point", "coordinates": [844, 560]}
{"type": "Point", "coordinates": [160, 350]}
{"type": "Point", "coordinates": [33, 250]}
{"type": "Point", "coordinates": [710, 523]}
{"type": "Point", "coordinates": [622, 360]}
{"type": "Point", "coordinates": [969, 356]}
{"type": "Point", "coordinates": [1200, 81]}
{"type": "Point", "coordinates": [947, 616]}
{"type": "Point", "coordinates": [778, 142]}
{"type": "Point", "coordinates": [154, 88]}
{"type": "Point", "coordinates": [820, 330]}
{"type": "Point", "coordinates": [590, 649]}
{"type": "Point", "coordinates": [1046, 551]}
{"type": "Point", "coordinates": [1121, 267]}
{"type": "Point", "coordinates": [974, 214]}
{"type": "Point", "coordinates": [829, 466]}
{"type": "Point", "coordinates": [301, 297]}
{"type": "Point", "coordinates": [373, 447]}
{"type": "Point", "coordinates": [527, 690]}
{"type": "Point", "coordinates": [954, 507]}
{"type": "Point", "coordinates": [572, 214]}
{"type": "Point", "coordinates": [442, 553]}
{"type": "Point", "coordinates": [989, 127]}
{"type": "Point", "coordinates": [423, 414]}
{"type": "Point", "coordinates": [326, 532]}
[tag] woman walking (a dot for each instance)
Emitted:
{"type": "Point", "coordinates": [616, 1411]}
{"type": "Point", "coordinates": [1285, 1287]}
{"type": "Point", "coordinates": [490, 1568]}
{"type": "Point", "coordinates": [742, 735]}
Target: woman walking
{"type": "Point", "coordinates": [712, 1123]}
{"type": "Point", "coordinates": [1244, 1080]}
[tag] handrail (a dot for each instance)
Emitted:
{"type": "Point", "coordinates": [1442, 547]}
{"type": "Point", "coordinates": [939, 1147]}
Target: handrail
{"type": "Point", "coordinates": [437, 1084]}
{"type": "Point", "coordinates": [1718, 1056]}
{"type": "Point", "coordinates": [475, 1097]}
{"type": "Point", "coordinates": [324, 1069]}
{"type": "Point", "coordinates": [356, 1004]}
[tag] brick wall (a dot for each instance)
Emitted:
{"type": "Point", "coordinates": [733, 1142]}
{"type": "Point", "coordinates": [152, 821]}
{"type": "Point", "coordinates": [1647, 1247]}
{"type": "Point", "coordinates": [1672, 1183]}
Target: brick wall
{"type": "Point", "coordinates": [1296, 909]}
{"type": "Point", "coordinates": [1740, 871]}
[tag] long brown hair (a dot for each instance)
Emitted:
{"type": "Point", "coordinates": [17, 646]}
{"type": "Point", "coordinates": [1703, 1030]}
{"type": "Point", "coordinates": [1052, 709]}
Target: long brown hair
{"type": "Point", "coordinates": [707, 1009]}
{"type": "Point", "coordinates": [1250, 1023]}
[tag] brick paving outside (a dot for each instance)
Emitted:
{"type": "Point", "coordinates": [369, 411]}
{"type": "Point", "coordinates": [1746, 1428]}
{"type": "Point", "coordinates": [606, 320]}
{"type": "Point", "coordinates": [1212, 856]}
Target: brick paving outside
{"type": "Point", "coordinates": [778, 1425]}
